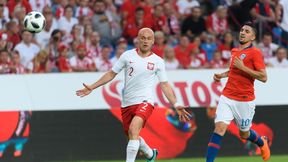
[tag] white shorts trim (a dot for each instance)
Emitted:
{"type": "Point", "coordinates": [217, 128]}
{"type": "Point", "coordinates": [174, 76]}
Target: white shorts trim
{"type": "Point", "coordinates": [242, 111]}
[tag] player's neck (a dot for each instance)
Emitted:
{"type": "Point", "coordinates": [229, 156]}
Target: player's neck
{"type": "Point", "coordinates": [245, 45]}
{"type": "Point", "coordinates": [143, 53]}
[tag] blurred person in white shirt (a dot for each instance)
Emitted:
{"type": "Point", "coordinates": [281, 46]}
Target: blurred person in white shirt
{"type": "Point", "coordinates": [103, 63]}
{"type": "Point", "coordinates": [267, 47]}
{"type": "Point", "coordinates": [26, 48]}
{"type": "Point", "coordinates": [38, 5]}
{"type": "Point", "coordinates": [43, 37]}
{"type": "Point", "coordinates": [280, 58]}
{"type": "Point", "coordinates": [67, 21]}
{"type": "Point", "coordinates": [171, 63]}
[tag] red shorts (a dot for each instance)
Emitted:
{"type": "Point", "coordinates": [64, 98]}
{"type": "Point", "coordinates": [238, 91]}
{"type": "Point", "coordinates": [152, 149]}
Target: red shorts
{"type": "Point", "coordinates": [143, 110]}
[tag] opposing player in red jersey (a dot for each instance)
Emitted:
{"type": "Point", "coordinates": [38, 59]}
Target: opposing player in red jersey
{"type": "Point", "coordinates": [237, 99]}
{"type": "Point", "coordinates": [140, 66]}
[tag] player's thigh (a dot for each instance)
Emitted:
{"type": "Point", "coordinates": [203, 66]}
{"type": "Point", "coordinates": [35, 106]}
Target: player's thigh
{"type": "Point", "coordinates": [243, 114]}
{"type": "Point", "coordinates": [144, 111]}
{"type": "Point", "coordinates": [223, 111]}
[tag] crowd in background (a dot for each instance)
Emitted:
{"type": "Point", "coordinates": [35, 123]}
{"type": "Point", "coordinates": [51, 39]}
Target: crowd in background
{"type": "Point", "coordinates": [90, 35]}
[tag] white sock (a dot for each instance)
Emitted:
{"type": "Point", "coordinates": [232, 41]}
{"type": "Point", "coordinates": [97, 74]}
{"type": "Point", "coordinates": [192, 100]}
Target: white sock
{"type": "Point", "coordinates": [148, 152]}
{"type": "Point", "coordinates": [132, 150]}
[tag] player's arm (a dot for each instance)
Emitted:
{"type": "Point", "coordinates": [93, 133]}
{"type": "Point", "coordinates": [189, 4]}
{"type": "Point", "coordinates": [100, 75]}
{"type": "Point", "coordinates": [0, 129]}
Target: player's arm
{"type": "Point", "coordinates": [107, 77]}
{"type": "Point", "coordinates": [260, 75]}
{"type": "Point", "coordinates": [168, 92]}
{"type": "Point", "coordinates": [218, 77]}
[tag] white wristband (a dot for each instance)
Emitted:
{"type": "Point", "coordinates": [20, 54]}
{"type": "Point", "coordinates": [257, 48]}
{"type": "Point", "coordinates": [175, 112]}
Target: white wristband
{"type": "Point", "coordinates": [176, 104]}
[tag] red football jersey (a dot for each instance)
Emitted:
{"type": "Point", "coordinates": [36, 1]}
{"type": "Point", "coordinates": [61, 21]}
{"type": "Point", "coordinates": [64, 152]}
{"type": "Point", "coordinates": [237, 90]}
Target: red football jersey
{"type": "Point", "coordinates": [240, 85]}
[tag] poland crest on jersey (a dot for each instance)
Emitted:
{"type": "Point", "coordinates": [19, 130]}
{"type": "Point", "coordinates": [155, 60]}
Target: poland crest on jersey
{"type": "Point", "coordinates": [150, 66]}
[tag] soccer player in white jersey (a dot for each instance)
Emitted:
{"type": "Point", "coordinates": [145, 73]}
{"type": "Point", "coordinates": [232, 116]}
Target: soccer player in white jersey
{"type": "Point", "coordinates": [141, 66]}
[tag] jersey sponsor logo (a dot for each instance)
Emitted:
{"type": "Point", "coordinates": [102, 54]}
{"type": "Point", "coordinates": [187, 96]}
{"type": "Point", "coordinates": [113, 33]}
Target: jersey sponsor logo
{"type": "Point", "coordinates": [150, 66]}
{"type": "Point", "coordinates": [242, 56]}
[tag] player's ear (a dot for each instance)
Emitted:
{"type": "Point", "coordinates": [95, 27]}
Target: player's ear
{"type": "Point", "coordinates": [253, 37]}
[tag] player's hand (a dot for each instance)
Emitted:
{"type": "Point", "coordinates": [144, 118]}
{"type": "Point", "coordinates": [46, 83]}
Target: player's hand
{"type": "Point", "coordinates": [85, 91]}
{"type": "Point", "coordinates": [184, 116]}
{"type": "Point", "coordinates": [217, 77]}
{"type": "Point", "coordinates": [238, 63]}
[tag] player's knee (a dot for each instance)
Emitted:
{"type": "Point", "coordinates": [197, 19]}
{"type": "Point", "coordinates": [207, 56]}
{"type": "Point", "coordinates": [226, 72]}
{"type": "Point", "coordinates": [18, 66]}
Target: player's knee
{"type": "Point", "coordinates": [133, 133]}
{"type": "Point", "coordinates": [244, 135]}
{"type": "Point", "coordinates": [220, 128]}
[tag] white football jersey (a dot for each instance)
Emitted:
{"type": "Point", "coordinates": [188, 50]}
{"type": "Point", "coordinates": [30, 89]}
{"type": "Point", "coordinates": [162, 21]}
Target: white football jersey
{"type": "Point", "coordinates": [140, 75]}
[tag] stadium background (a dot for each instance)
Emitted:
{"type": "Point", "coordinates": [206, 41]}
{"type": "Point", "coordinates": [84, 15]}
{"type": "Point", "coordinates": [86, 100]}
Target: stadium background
{"type": "Point", "coordinates": [61, 127]}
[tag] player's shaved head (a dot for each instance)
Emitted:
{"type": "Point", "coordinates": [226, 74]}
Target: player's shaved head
{"type": "Point", "coordinates": [145, 30]}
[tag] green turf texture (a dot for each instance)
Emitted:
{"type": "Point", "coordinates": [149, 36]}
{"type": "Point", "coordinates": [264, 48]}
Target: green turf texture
{"type": "Point", "coordinates": [219, 159]}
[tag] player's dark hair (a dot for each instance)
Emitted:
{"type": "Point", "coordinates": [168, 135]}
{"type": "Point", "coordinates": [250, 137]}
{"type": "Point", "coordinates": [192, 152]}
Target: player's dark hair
{"type": "Point", "coordinates": [252, 25]}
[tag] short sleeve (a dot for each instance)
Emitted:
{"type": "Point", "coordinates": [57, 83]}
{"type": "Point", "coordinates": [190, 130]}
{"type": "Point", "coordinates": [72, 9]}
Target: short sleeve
{"type": "Point", "coordinates": [120, 63]}
{"type": "Point", "coordinates": [258, 61]}
{"type": "Point", "coordinates": [161, 72]}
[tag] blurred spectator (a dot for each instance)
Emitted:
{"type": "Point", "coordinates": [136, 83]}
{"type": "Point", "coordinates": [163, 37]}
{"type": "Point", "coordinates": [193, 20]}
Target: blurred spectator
{"type": "Point", "coordinates": [18, 15]}
{"type": "Point", "coordinates": [111, 6]}
{"type": "Point", "coordinates": [159, 44]}
{"type": "Point", "coordinates": [267, 47]}
{"type": "Point", "coordinates": [63, 60]}
{"type": "Point", "coordinates": [4, 62]}
{"type": "Point", "coordinates": [83, 9]}
{"type": "Point", "coordinates": [217, 61]}
{"type": "Point", "coordinates": [185, 6]}
{"type": "Point", "coordinates": [280, 59]}
{"type": "Point", "coordinates": [103, 63]}
{"type": "Point", "coordinates": [3, 18]}
{"type": "Point", "coordinates": [5, 9]}
{"type": "Point", "coordinates": [93, 45]}
{"type": "Point", "coordinates": [282, 20]}
{"type": "Point", "coordinates": [226, 46]}
{"type": "Point", "coordinates": [199, 53]}
{"type": "Point", "coordinates": [26, 48]}
{"type": "Point", "coordinates": [40, 63]}
{"type": "Point", "coordinates": [38, 5]}
{"type": "Point", "coordinates": [129, 7]}
{"type": "Point", "coordinates": [80, 62]}
{"type": "Point", "coordinates": [16, 67]}
{"type": "Point", "coordinates": [106, 23]}
{"type": "Point", "coordinates": [217, 23]}
{"type": "Point", "coordinates": [60, 8]}
{"type": "Point", "coordinates": [12, 4]}
{"type": "Point", "coordinates": [43, 37]}
{"type": "Point", "coordinates": [67, 21]}
{"type": "Point", "coordinates": [194, 25]}
{"type": "Point", "coordinates": [134, 25]}
{"type": "Point", "coordinates": [195, 61]}
{"type": "Point", "coordinates": [172, 19]}
{"type": "Point", "coordinates": [76, 33]}
{"type": "Point", "coordinates": [263, 11]}
{"type": "Point", "coordinates": [209, 46]}
{"type": "Point", "coordinates": [171, 63]}
{"type": "Point", "coordinates": [13, 33]}
{"type": "Point", "coordinates": [54, 43]}
{"type": "Point", "coordinates": [182, 52]}
{"type": "Point", "coordinates": [239, 13]}
{"type": "Point", "coordinates": [264, 15]}
{"type": "Point", "coordinates": [73, 49]}
{"type": "Point", "coordinates": [3, 41]}
{"type": "Point", "coordinates": [88, 30]}
{"type": "Point", "coordinates": [121, 47]}
{"type": "Point", "coordinates": [159, 19]}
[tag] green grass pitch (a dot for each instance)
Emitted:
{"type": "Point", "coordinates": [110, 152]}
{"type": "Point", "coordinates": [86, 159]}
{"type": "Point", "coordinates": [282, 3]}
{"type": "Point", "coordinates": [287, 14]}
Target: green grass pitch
{"type": "Point", "coordinates": [219, 159]}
